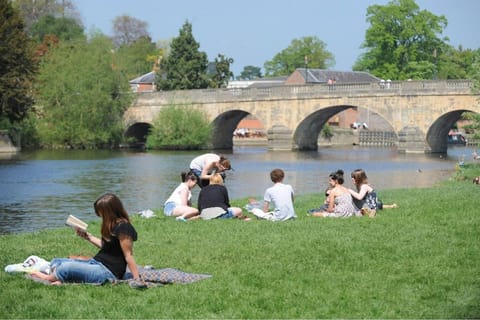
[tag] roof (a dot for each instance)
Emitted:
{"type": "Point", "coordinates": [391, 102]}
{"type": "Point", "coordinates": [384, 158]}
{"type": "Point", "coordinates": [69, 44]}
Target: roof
{"type": "Point", "coordinates": [322, 76]}
{"type": "Point", "coordinates": [145, 78]}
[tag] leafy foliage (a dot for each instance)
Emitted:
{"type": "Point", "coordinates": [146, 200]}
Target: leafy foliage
{"type": "Point", "coordinates": [64, 29]}
{"type": "Point", "coordinates": [17, 66]}
{"type": "Point", "coordinates": [185, 67]}
{"type": "Point", "coordinates": [295, 55]}
{"type": "Point", "coordinates": [81, 97]}
{"type": "Point", "coordinates": [250, 73]}
{"type": "Point", "coordinates": [222, 73]}
{"type": "Point", "coordinates": [33, 11]}
{"type": "Point", "coordinates": [136, 58]}
{"type": "Point", "coordinates": [179, 127]}
{"type": "Point", "coordinates": [402, 41]}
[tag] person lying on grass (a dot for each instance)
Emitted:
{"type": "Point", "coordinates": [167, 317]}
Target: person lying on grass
{"type": "Point", "coordinates": [116, 249]}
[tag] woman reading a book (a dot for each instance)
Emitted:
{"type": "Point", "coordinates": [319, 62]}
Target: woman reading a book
{"type": "Point", "coordinates": [116, 249]}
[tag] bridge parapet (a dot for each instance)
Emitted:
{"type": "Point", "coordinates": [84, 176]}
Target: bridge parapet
{"type": "Point", "coordinates": [302, 91]}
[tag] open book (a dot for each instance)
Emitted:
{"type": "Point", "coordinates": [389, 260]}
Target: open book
{"type": "Point", "coordinates": [75, 223]}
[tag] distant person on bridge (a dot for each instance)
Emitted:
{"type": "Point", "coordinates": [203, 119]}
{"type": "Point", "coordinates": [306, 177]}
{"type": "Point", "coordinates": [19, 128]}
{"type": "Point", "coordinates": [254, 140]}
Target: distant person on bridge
{"type": "Point", "coordinates": [205, 165]}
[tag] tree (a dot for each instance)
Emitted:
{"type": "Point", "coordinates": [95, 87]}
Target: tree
{"type": "Point", "coordinates": [222, 73]}
{"type": "Point", "coordinates": [81, 97]}
{"type": "Point", "coordinates": [250, 73]}
{"type": "Point", "coordinates": [17, 66]}
{"type": "Point", "coordinates": [179, 128]}
{"type": "Point", "coordinates": [402, 41]}
{"type": "Point", "coordinates": [185, 67]}
{"type": "Point", "coordinates": [64, 29]}
{"type": "Point", "coordinates": [127, 30]}
{"type": "Point", "coordinates": [457, 63]}
{"type": "Point", "coordinates": [33, 10]}
{"type": "Point", "coordinates": [136, 58]}
{"type": "Point", "coordinates": [293, 57]}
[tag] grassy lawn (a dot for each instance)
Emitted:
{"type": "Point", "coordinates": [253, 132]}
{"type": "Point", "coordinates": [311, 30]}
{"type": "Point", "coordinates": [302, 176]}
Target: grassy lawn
{"type": "Point", "coordinates": [421, 260]}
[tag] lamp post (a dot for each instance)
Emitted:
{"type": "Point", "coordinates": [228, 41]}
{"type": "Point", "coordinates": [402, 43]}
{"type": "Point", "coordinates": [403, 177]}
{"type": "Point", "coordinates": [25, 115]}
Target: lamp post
{"type": "Point", "coordinates": [435, 64]}
{"type": "Point", "coordinates": [306, 69]}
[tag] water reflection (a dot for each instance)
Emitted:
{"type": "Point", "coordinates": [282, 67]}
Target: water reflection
{"type": "Point", "coordinates": [39, 189]}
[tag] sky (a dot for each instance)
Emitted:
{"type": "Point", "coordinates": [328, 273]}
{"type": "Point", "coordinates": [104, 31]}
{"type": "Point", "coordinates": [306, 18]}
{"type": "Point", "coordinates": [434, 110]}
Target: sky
{"type": "Point", "coordinates": [254, 31]}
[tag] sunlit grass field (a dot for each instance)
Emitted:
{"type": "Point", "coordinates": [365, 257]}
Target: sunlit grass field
{"type": "Point", "coordinates": [421, 260]}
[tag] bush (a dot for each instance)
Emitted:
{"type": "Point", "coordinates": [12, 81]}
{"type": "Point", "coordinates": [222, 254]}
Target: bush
{"type": "Point", "coordinates": [179, 127]}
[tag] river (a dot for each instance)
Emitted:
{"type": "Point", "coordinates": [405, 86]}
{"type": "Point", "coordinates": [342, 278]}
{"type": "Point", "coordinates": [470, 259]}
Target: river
{"type": "Point", "coordinates": [39, 189]}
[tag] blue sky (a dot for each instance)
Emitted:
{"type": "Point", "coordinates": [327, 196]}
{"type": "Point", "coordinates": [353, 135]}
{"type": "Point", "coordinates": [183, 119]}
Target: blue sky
{"type": "Point", "coordinates": [253, 31]}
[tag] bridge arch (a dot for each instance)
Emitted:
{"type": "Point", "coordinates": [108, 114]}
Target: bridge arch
{"type": "Point", "coordinates": [136, 133]}
{"type": "Point", "coordinates": [437, 133]}
{"type": "Point", "coordinates": [306, 133]}
{"type": "Point", "coordinates": [224, 126]}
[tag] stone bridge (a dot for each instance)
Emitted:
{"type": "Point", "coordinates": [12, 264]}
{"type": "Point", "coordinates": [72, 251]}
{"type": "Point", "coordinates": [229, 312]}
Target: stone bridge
{"type": "Point", "coordinates": [420, 113]}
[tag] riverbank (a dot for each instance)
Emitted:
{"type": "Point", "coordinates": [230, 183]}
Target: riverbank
{"type": "Point", "coordinates": [418, 261]}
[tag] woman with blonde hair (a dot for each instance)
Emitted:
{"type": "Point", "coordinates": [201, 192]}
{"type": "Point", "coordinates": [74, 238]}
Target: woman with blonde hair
{"type": "Point", "coordinates": [213, 201]}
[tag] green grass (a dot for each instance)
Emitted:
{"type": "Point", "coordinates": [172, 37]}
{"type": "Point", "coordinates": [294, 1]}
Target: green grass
{"type": "Point", "coordinates": [421, 260]}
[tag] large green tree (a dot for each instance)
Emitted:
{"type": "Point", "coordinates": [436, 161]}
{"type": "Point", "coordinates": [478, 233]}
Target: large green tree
{"type": "Point", "coordinates": [64, 29]}
{"type": "Point", "coordinates": [222, 73]}
{"type": "Point", "coordinates": [179, 127]}
{"type": "Point", "coordinates": [34, 10]}
{"type": "Point", "coordinates": [250, 73]}
{"type": "Point", "coordinates": [136, 58]}
{"type": "Point", "coordinates": [185, 67]}
{"type": "Point", "coordinates": [402, 41]}
{"type": "Point", "coordinates": [307, 50]}
{"type": "Point", "coordinates": [17, 66]}
{"type": "Point", "coordinates": [81, 97]}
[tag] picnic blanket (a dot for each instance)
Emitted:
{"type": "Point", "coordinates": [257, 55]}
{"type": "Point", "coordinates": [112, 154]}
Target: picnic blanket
{"type": "Point", "coordinates": [152, 277]}
{"type": "Point", "coordinates": [159, 277]}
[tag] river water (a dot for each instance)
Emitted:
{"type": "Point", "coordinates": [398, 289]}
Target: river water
{"type": "Point", "coordinates": [39, 189]}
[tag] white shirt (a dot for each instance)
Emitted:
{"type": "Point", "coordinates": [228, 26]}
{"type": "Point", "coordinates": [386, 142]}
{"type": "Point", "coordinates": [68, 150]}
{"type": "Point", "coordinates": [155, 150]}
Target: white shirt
{"type": "Point", "coordinates": [280, 196]}
{"type": "Point", "coordinates": [176, 194]}
{"type": "Point", "coordinates": [199, 162]}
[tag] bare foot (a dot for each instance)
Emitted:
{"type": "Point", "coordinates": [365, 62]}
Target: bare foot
{"type": "Point", "coordinates": [43, 276]}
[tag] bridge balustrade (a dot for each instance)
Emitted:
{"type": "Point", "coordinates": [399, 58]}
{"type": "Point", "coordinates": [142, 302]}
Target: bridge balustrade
{"type": "Point", "coordinates": [312, 90]}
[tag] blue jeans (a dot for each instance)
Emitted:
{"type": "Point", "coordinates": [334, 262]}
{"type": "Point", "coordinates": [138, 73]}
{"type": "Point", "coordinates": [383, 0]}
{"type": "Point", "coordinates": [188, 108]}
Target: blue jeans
{"type": "Point", "coordinates": [86, 271]}
{"type": "Point", "coordinates": [227, 215]}
{"type": "Point", "coordinates": [168, 208]}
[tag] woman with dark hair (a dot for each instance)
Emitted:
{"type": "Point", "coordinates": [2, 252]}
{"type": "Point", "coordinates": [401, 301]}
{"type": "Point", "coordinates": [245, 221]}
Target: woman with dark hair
{"type": "Point", "coordinates": [116, 249]}
{"type": "Point", "coordinates": [365, 198]}
{"type": "Point", "coordinates": [340, 202]}
{"type": "Point", "coordinates": [179, 203]}
{"type": "Point", "coordinates": [206, 165]}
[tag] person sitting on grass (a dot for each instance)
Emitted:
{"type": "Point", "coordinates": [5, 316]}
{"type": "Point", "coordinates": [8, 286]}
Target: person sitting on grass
{"type": "Point", "coordinates": [179, 203]}
{"type": "Point", "coordinates": [365, 198]}
{"type": "Point", "coordinates": [279, 198]}
{"type": "Point", "coordinates": [340, 202]}
{"type": "Point", "coordinates": [116, 249]}
{"type": "Point", "coordinates": [214, 197]}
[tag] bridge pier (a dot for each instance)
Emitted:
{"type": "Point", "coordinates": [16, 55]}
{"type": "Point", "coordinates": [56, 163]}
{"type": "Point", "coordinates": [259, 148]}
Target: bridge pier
{"type": "Point", "coordinates": [412, 140]}
{"type": "Point", "coordinates": [279, 138]}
